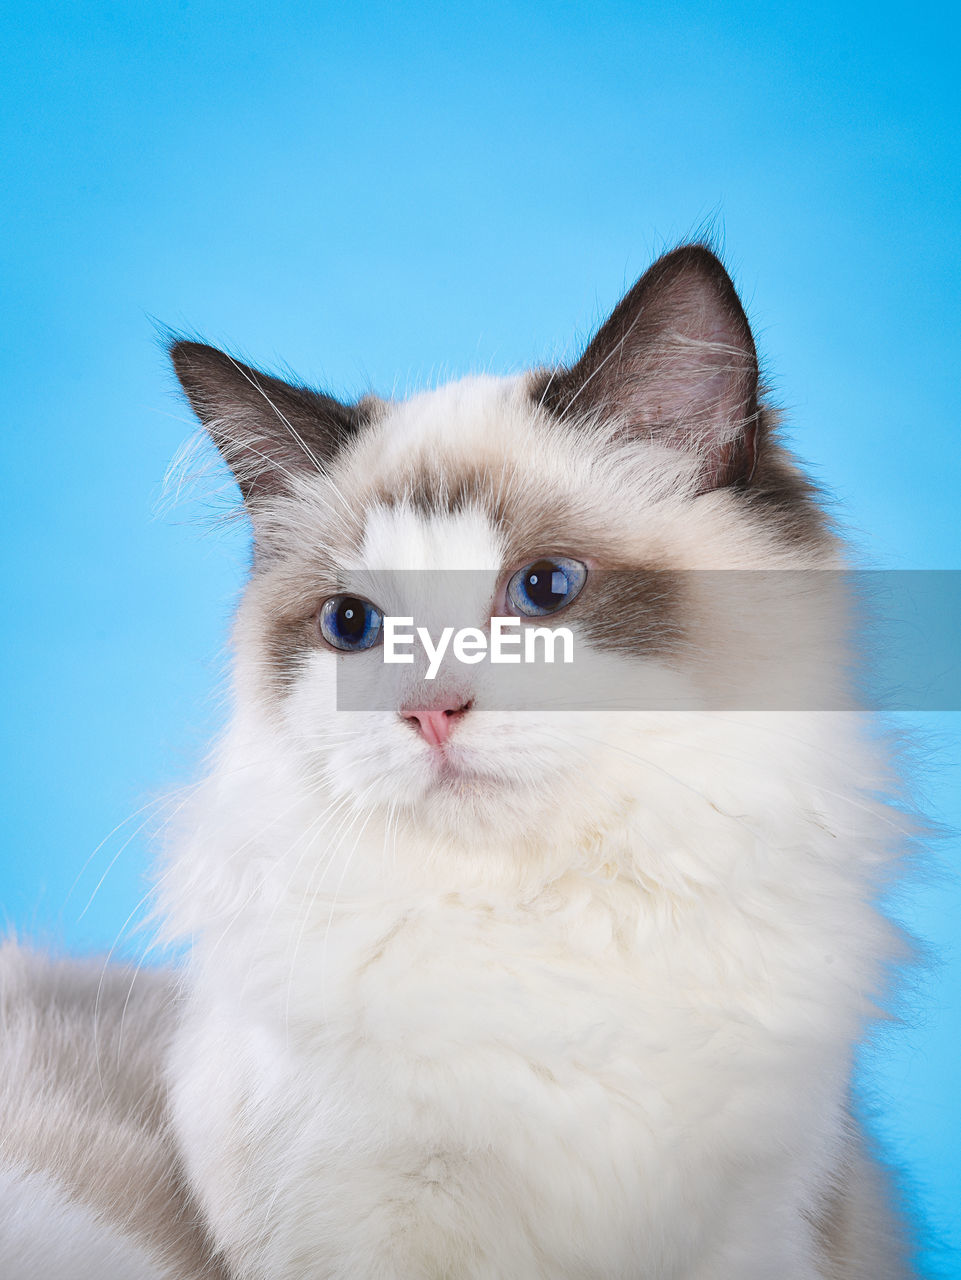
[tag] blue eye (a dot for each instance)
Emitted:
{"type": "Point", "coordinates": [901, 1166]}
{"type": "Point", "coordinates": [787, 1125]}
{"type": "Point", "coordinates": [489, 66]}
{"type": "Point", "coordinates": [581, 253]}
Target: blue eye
{"type": "Point", "coordinates": [546, 585]}
{"type": "Point", "coordinates": [350, 624]}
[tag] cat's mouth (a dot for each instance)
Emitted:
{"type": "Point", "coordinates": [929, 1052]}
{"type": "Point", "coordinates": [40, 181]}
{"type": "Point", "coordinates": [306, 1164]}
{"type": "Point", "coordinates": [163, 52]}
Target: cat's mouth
{"type": "Point", "coordinates": [452, 767]}
{"type": "Point", "coordinates": [449, 765]}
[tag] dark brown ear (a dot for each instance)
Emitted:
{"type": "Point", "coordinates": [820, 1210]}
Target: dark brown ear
{"type": "Point", "coordinates": [675, 361]}
{"type": "Point", "coordinates": [267, 430]}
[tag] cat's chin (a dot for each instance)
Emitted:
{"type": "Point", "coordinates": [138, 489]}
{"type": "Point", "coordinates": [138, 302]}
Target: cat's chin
{"type": "Point", "coordinates": [467, 800]}
{"type": "Point", "coordinates": [453, 770]}
{"type": "Point", "coordinates": [451, 778]}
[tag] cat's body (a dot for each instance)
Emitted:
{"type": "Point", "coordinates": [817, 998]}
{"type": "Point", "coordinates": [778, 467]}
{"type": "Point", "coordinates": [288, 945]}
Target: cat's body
{"type": "Point", "coordinates": [542, 1075]}
{"type": "Point", "coordinates": [91, 1187]}
{"type": "Point", "coordinates": [560, 993]}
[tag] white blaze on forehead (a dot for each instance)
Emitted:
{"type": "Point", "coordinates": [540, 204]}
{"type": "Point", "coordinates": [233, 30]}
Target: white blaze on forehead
{"type": "Point", "coordinates": [440, 569]}
{"type": "Point", "coordinates": [404, 538]}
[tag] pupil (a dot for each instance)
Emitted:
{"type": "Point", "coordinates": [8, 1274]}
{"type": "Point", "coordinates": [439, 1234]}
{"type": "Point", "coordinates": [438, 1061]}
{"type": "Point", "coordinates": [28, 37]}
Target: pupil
{"type": "Point", "coordinates": [542, 579]}
{"type": "Point", "coordinates": [350, 620]}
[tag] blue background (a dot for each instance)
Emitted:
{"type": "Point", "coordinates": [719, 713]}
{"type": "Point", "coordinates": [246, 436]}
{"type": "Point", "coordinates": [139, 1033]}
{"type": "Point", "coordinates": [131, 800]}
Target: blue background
{"type": "Point", "coordinates": [381, 195]}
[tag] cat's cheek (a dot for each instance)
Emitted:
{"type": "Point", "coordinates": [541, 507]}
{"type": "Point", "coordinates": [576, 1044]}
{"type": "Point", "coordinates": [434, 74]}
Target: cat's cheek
{"type": "Point", "coordinates": [371, 758]}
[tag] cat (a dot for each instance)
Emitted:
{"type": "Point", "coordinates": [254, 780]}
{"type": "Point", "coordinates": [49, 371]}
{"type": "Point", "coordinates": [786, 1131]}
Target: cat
{"type": "Point", "coordinates": [559, 989]}
{"type": "Point", "coordinates": [543, 994]}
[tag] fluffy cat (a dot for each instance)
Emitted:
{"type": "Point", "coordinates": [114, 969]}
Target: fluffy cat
{"type": "Point", "coordinates": [567, 991]}
{"type": "Point", "coordinates": [554, 994]}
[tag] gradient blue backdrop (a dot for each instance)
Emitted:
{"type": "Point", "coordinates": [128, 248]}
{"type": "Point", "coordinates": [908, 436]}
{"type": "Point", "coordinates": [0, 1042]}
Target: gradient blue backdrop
{"type": "Point", "coordinates": [380, 194]}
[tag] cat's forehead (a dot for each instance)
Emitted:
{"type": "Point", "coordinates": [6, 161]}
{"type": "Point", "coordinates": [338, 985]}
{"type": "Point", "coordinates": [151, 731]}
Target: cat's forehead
{"type": "Point", "coordinates": [402, 537]}
{"type": "Point", "coordinates": [475, 474]}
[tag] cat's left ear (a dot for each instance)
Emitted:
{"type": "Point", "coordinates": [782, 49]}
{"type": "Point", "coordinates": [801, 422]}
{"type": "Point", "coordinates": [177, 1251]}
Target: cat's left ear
{"type": "Point", "coordinates": [268, 431]}
{"type": "Point", "coordinates": [675, 362]}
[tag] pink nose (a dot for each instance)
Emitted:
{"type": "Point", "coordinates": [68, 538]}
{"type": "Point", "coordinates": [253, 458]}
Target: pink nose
{"type": "Point", "coordinates": [435, 724]}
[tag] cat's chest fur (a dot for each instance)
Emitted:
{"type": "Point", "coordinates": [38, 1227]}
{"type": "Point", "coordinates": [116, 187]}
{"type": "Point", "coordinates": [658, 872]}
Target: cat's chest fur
{"type": "Point", "coordinates": [541, 1086]}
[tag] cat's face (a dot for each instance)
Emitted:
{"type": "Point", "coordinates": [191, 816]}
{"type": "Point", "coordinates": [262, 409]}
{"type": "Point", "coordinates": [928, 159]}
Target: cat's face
{"type": "Point", "coordinates": [580, 499]}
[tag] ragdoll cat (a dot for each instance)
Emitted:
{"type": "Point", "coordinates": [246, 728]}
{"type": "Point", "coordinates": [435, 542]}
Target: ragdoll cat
{"type": "Point", "coordinates": [560, 993]}
{"type": "Point", "coordinates": [564, 988]}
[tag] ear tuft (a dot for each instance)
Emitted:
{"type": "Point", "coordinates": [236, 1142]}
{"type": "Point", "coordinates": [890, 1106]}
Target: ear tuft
{"type": "Point", "coordinates": [675, 361]}
{"type": "Point", "coordinates": [267, 430]}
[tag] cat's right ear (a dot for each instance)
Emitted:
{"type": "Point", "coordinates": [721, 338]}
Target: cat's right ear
{"type": "Point", "coordinates": [268, 431]}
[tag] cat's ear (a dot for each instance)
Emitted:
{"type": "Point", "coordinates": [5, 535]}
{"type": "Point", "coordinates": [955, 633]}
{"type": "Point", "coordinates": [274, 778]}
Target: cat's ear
{"type": "Point", "coordinates": [268, 431]}
{"type": "Point", "coordinates": [676, 362]}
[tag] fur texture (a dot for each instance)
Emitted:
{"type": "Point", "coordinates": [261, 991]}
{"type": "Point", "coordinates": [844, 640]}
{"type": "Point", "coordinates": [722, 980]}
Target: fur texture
{"type": "Point", "coordinates": [90, 1184]}
{"type": "Point", "coordinates": [576, 996]}
{"type": "Point", "coordinates": [44, 1233]}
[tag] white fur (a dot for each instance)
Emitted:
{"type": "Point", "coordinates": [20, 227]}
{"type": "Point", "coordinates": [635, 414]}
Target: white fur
{"type": "Point", "coordinates": [588, 1014]}
{"type": "Point", "coordinates": [43, 1234]}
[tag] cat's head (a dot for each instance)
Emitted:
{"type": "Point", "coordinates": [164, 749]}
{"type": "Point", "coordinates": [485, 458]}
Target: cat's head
{"type": "Point", "coordinates": [587, 496]}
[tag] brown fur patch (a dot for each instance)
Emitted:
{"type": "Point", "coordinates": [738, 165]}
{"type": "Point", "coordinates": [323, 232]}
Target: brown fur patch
{"type": "Point", "coordinates": [289, 639]}
{"type": "Point", "coordinates": [781, 493]}
{"type": "Point", "coordinates": [634, 612]}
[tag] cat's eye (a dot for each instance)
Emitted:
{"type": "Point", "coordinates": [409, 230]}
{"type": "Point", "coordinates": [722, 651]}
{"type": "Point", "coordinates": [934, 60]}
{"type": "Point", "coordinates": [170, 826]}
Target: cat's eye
{"type": "Point", "coordinates": [546, 585]}
{"type": "Point", "coordinates": [350, 624]}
